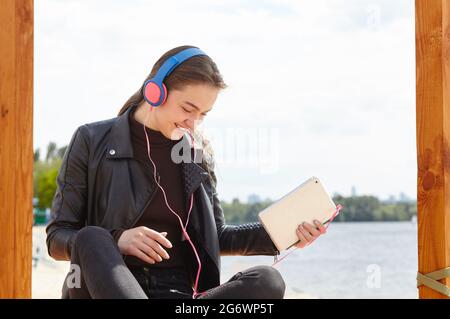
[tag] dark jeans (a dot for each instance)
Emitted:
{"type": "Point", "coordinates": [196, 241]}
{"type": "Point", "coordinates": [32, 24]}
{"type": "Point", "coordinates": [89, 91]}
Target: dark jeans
{"type": "Point", "coordinates": [104, 274]}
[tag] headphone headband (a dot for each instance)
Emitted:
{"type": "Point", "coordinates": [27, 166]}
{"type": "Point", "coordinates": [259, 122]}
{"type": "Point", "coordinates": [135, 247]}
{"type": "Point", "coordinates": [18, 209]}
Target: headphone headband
{"type": "Point", "coordinates": [172, 62]}
{"type": "Point", "coordinates": [155, 91]}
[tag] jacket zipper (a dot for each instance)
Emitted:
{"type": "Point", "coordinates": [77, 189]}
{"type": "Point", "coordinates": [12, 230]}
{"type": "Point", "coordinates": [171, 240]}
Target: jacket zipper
{"type": "Point", "coordinates": [177, 291]}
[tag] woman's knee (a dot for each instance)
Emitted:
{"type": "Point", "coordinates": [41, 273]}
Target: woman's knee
{"type": "Point", "coordinates": [270, 283]}
{"type": "Point", "coordinates": [92, 235]}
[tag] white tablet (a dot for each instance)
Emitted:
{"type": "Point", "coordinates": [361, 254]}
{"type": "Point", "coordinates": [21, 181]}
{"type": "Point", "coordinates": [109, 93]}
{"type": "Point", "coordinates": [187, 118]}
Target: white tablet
{"type": "Point", "coordinates": [306, 203]}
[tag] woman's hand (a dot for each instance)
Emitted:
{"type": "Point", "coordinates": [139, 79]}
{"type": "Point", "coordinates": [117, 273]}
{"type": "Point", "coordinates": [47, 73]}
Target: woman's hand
{"type": "Point", "coordinates": [307, 233]}
{"type": "Point", "coordinates": [144, 243]}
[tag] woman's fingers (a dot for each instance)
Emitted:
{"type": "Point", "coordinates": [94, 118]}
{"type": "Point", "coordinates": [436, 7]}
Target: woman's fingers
{"type": "Point", "coordinates": [311, 229]}
{"type": "Point", "coordinates": [303, 242]}
{"type": "Point", "coordinates": [149, 251]}
{"type": "Point", "coordinates": [321, 227]}
{"type": "Point", "coordinates": [301, 236]}
{"type": "Point", "coordinates": [305, 233]}
{"type": "Point", "coordinates": [157, 236]}
{"type": "Point", "coordinates": [141, 255]}
{"type": "Point", "coordinates": [156, 247]}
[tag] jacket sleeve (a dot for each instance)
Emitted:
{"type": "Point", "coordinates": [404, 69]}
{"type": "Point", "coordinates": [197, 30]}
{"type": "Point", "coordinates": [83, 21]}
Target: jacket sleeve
{"type": "Point", "coordinates": [245, 239]}
{"type": "Point", "coordinates": [68, 211]}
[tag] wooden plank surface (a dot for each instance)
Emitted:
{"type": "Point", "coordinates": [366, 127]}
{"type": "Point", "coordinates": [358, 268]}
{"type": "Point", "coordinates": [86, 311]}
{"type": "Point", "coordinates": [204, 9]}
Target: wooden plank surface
{"type": "Point", "coordinates": [16, 147]}
{"type": "Point", "coordinates": [433, 136]}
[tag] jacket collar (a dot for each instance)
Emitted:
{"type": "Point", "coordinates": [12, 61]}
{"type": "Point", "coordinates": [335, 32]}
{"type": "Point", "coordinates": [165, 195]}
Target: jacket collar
{"type": "Point", "coordinates": [120, 146]}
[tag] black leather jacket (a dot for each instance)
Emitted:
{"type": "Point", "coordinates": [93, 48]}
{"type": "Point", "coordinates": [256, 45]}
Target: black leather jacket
{"type": "Point", "coordinates": [99, 183]}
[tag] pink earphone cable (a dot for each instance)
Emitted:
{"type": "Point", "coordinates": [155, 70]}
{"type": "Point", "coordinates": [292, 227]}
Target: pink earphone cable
{"type": "Point", "coordinates": [186, 235]}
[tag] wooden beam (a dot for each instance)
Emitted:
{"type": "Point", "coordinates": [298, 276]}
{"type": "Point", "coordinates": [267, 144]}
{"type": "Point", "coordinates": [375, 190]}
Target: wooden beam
{"type": "Point", "coordinates": [16, 147]}
{"type": "Point", "coordinates": [433, 136]}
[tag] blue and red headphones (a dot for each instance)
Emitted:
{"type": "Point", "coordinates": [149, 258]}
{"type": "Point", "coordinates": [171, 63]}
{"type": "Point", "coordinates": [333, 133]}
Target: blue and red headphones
{"type": "Point", "coordinates": [155, 92]}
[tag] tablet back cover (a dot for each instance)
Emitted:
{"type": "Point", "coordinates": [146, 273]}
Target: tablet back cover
{"type": "Point", "coordinates": [307, 202]}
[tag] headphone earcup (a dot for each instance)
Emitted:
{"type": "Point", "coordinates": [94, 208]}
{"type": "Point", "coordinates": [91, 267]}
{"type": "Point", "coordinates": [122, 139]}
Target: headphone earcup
{"type": "Point", "coordinates": [152, 93]}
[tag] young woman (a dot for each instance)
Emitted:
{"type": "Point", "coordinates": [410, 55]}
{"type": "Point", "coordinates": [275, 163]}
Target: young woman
{"type": "Point", "coordinates": [136, 217]}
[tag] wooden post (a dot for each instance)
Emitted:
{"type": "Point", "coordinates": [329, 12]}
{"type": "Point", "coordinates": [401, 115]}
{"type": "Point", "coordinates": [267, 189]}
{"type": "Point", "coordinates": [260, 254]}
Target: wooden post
{"type": "Point", "coordinates": [433, 137]}
{"type": "Point", "coordinates": [16, 147]}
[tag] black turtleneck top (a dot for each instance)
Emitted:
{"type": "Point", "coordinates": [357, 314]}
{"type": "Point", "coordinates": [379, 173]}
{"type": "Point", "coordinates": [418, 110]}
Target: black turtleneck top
{"type": "Point", "coordinates": [156, 215]}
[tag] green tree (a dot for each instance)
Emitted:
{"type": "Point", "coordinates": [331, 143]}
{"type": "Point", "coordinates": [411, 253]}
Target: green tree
{"type": "Point", "coordinates": [45, 173]}
{"type": "Point", "coordinates": [37, 155]}
{"type": "Point", "coordinates": [51, 151]}
{"type": "Point", "coordinates": [46, 184]}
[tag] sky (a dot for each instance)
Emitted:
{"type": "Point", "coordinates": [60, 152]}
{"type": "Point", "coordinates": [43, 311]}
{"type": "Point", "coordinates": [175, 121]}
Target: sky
{"type": "Point", "coordinates": [321, 88]}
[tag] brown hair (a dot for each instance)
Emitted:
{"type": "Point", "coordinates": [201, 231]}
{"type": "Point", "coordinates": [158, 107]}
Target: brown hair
{"type": "Point", "coordinates": [200, 69]}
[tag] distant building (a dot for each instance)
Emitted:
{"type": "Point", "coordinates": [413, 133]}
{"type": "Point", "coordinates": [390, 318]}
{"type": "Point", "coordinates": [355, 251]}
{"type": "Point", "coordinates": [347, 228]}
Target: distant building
{"type": "Point", "coordinates": [404, 198]}
{"type": "Point", "coordinates": [391, 200]}
{"type": "Point", "coordinates": [354, 191]}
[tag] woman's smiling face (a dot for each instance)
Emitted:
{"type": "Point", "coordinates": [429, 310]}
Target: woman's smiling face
{"type": "Point", "coordinates": [185, 108]}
